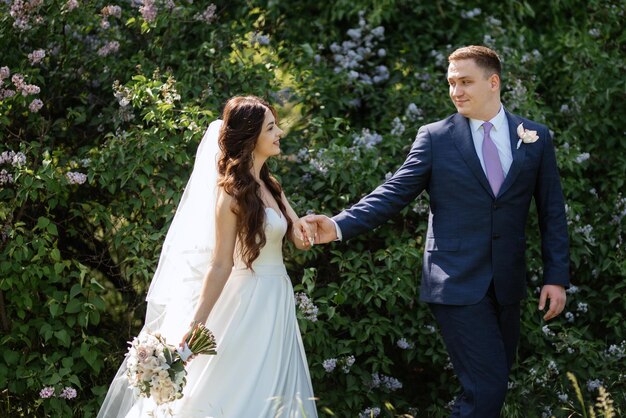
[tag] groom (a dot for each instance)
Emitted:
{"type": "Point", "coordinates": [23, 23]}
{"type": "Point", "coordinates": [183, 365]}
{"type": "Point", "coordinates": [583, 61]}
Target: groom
{"type": "Point", "coordinates": [481, 168]}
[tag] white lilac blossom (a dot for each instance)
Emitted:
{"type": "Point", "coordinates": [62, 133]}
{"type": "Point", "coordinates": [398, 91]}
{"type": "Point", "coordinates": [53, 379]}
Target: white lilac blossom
{"type": "Point", "coordinates": [36, 56]}
{"type": "Point", "coordinates": [74, 177]}
{"type": "Point", "coordinates": [404, 344]}
{"type": "Point", "coordinates": [562, 396]}
{"type": "Point", "coordinates": [357, 55]}
{"type": "Point", "coordinates": [586, 232]}
{"type": "Point", "coordinates": [387, 383]}
{"type": "Point", "coordinates": [413, 112]}
{"type": "Point", "coordinates": [547, 412]}
{"type": "Point", "coordinates": [440, 59]}
{"type": "Point", "coordinates": [148, 11]}
{"type": "Point", "coordinates": [302, 155]}
{"type": "Point", "coordinates": [569, 316]}
{"type": "Point", "coordinates": [121, 93]}
{"type": "Point", "coordinates": [397, 128]}
{"type": "Point", "coordinates": [553, 368]}
{"type": "Point", "coordinates": [367, 139]}
{"type": "Point", "coordinates": [329, 364]}
{"type": "Point", "coordinates": [617, 351]}
{"type": "Point", "coordinates": [35, 106]}
{"type": "Point", "coordinates": [492, 21]}
{"type": "Point", "coordinates": [109, 48]}
{"type": "Point", "coordinates": [564, 108]}
{"type": "Point", "coordinates": [169, 92]}
{"type": "Point", "coordinates": [582, 307]}
{"type": "Point", "coordinates": [5, 177]}
{"type": "Point", "coordinates": [593, 385]}
{"type": "Point", "coordinates": [469, 14]}
{"type": "Point", "coordinates": [517, 94]}
{"type": "Point", "coordinates": [620, 210]}
{"type": "Point", "coordinates": [24, 13]}
{"type": "Point", "coordinates": [307, 307]}
{"type": "Point", "coordinates": [530, 56]}
{"type": "Point", "coordinates": [320, 162]}
{"type": "Point", "coordinates": [594, 32]}
{"type": "Point", "coordinates": [16, 159]}
{"type": "Point", "coordinates": [115, 11]}
{"type": "Point", "coordinates": [582, 157]}
{"type": "Point", "coordinates": [46, 392]}
{"type": "Point", "coordinates": [572, 290]}
{"type": "Point", "coordinates": [5, 73]}
{"type": "Point", "coordinates": [258, 39]}
{"type": "Point", "coordinates": [208, 16]}
{"type": "Point", "coordinates": [547, 331]}
{"type": "Point", "coordinates": [430, 328]}
{"type": "Point", "coordinates": [347, 363]}
{"type": "Point", "coordinates": [68, 393]}
{"type": "Point", "coordinates": [370, 412]}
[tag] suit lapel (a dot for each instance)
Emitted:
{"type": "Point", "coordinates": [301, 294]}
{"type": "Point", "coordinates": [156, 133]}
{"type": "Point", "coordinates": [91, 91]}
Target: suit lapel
{"type": "Point", "coordinates": [460, 131]}
{"type": "Point", "coordinates": [518, 153]}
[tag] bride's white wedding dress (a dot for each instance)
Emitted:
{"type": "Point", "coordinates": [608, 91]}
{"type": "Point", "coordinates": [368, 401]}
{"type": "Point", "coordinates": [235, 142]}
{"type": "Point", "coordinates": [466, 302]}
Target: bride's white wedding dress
{"type": "Point", "coordinates": [260, 369]}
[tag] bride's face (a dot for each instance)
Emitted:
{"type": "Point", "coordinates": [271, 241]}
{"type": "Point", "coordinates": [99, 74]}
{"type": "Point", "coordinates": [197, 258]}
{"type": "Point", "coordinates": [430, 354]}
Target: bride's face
{"type": "Point", "coordinates": [268, 143]}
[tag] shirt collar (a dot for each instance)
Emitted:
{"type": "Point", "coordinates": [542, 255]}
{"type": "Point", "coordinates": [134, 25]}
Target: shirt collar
{"type": "Point", "coordinates": [496, 121]}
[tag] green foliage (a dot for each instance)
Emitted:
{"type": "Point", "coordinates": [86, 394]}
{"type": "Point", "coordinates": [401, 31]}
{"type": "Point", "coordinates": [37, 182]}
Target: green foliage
{"type": "Point", "coordinates": [95, 174]}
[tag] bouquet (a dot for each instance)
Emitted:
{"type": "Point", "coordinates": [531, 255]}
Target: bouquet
{"type": "Point", "coordinates": [157, 370]}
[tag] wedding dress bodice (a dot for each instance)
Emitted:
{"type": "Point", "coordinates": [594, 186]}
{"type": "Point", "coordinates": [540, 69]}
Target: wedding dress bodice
{"type": "Point", "coordinates": [272, 252]}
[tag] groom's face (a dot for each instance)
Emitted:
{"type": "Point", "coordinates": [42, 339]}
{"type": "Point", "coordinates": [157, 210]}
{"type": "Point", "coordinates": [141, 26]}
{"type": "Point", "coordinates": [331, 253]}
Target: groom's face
{"type": "Point", "coordinates": [474, 92]}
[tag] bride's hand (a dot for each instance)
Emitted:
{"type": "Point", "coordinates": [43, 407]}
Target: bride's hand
{"type": "Point", "coordinates": [304, 233]}
{"type": "Point", "coordinates": [181, 346]}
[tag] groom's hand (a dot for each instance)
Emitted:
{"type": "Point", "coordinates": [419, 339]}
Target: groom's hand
{"type": "Point", "coordinates": [324, 228]}
{"type": "Point", "coordinates": [557, 297]}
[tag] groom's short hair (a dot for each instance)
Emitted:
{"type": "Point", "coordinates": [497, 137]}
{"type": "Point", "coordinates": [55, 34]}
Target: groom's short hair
{"type": "Point", "coordinates": [485, 58]}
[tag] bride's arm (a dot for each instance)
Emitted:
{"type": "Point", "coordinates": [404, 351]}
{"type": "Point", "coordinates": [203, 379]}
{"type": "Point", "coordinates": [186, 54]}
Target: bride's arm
{"type": "Point", "coordinates": [222, 264]}
{"type": "Point", "coordinates": [301, 231]}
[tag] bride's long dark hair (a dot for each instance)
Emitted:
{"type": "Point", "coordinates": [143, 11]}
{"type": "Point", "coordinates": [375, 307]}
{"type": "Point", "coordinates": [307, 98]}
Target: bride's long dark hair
{"type": "Point", "coordinates": [243, 122]}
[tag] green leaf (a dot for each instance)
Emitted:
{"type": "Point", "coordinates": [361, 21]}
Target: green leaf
{"type": "Point", "coordinates": [63, 337]}
{"type": "Point", "coordinates": [75, 290]}
{"type": "Point", "coordinates": [11, 357]}
{"type": "Point", "coordinates": [74, 306]}
{"type": "Point", "coordinates": [42, 222]}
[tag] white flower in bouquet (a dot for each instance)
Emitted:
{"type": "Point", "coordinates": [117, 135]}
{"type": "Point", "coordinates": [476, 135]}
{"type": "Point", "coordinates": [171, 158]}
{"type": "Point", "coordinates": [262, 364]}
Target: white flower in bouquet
{"type": "Point", "coordinates": [157, 370]}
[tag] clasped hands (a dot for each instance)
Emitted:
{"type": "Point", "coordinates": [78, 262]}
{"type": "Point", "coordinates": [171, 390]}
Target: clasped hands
{"type": "Point", "coordinates": [314, 229]}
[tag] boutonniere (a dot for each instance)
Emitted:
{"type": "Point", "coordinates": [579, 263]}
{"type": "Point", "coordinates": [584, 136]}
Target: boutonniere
{"type": "Point", "coordinates": [525, 135]}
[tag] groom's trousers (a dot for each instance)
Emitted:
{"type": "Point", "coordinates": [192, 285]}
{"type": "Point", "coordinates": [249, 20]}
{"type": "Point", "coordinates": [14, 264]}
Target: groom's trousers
{"type": "Point", "coordinates": [481, 340]}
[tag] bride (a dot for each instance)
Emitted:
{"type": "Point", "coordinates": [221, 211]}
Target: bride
{"type": "Point", "coordinates": [222, 264]}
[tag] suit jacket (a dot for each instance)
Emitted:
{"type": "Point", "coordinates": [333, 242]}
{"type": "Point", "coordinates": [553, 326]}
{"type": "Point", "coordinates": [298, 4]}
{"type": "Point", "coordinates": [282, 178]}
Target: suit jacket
{"type": "Point", "coordinates": [473, 236]}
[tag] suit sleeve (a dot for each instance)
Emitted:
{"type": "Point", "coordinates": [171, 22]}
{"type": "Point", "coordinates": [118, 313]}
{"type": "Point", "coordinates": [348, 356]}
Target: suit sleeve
{"type": "Point", "coordinates": [552, 220]}
{"type": "Point", "coordinates": [392, 196]}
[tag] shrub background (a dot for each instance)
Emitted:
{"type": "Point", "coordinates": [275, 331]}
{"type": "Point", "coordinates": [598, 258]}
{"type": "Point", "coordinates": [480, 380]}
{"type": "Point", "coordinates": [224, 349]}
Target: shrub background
{"type": "Point", "coordinates": [98, 138]}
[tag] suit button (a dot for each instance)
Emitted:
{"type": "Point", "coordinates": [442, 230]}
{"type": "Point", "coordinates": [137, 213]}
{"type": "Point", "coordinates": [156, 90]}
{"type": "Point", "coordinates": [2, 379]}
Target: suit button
{"type": "Point", "coordinates": [495, 236]}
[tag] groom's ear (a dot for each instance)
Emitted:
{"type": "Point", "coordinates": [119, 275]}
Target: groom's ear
{"type": "Point", "coordinates": [494, 81]}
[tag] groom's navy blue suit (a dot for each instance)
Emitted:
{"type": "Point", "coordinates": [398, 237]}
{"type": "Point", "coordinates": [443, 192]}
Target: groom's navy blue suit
{"type": "Point", "coordinates": [475, 244]}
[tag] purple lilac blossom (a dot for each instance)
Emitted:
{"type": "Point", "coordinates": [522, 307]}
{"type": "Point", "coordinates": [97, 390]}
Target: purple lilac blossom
{"type": "Point", "coordinates": [68, 393]}
{"type": "Point", "coordinates": [46, 392]}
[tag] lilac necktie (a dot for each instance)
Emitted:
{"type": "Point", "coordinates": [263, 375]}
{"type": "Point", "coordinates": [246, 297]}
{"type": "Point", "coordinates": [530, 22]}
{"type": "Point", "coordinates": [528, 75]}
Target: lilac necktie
{"type": "Point", "coordinates": [495, 174]}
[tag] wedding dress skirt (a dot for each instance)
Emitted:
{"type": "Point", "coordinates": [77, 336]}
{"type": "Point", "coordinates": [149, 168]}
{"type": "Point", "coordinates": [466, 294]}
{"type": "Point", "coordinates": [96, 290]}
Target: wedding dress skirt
{"type": "Point", "coordinates": [260, 369]}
